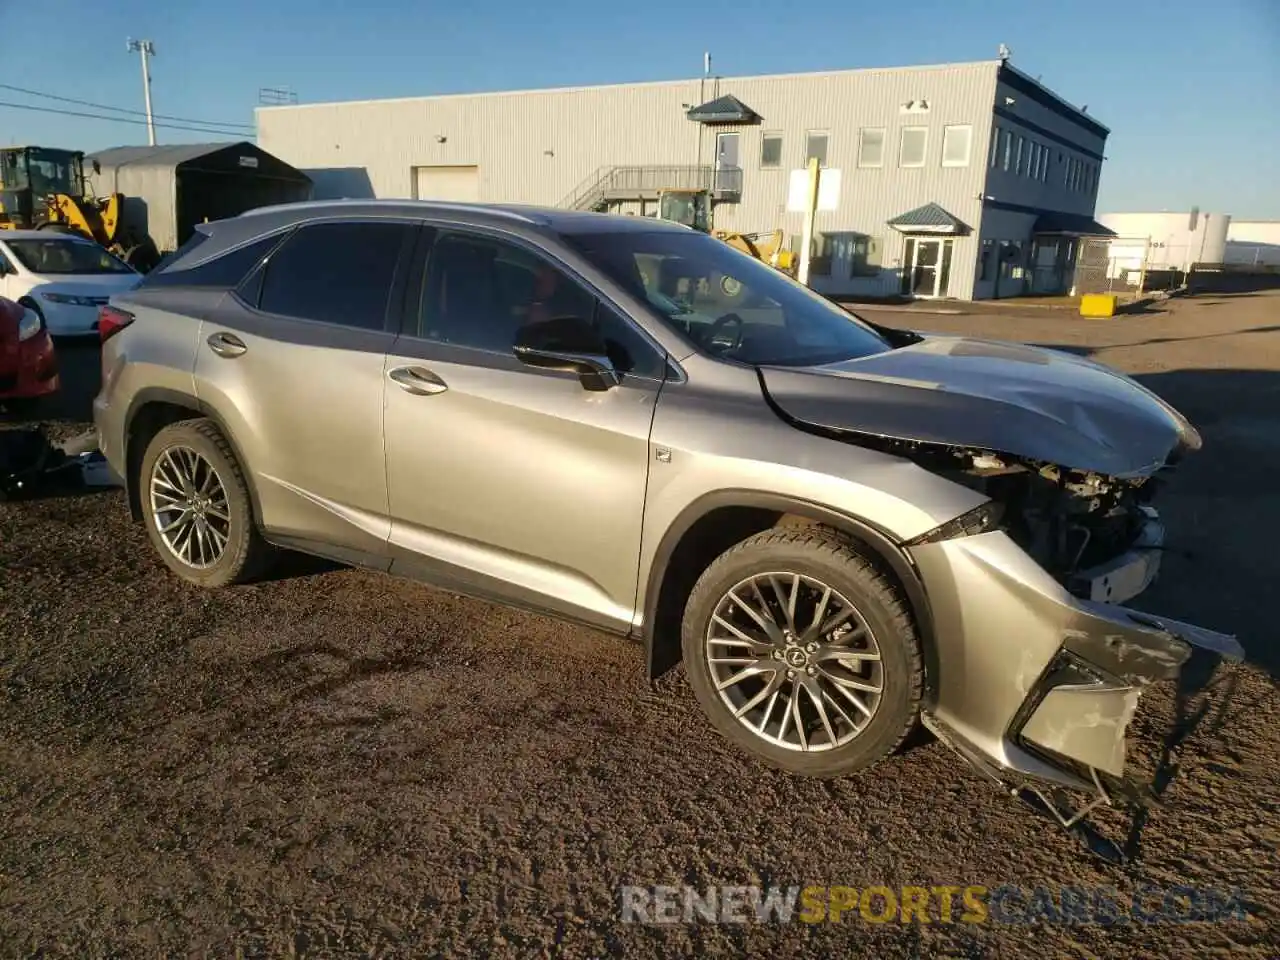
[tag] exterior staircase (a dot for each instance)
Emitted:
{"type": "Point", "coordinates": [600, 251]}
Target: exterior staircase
{"type": "Point", "coordinates": [610, 184]}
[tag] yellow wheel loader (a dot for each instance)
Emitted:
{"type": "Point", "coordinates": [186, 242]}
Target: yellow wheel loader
{"type": "Point", "coordinates": [42, 188]}
{"type": "Point", "coordinates": [693, 209]}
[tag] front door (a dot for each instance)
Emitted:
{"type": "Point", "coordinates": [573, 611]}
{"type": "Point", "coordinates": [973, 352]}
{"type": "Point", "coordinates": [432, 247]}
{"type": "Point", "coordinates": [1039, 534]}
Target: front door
{"type": "Point", "coordinates": [926, 267]}
{"type": "Point", "coordinates": [508, 481]}
{"type": "Point", "coordinates": [727, 165]}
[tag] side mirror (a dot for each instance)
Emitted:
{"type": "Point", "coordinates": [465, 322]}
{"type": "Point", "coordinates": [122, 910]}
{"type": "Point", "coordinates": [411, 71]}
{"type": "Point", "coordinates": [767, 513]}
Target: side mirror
{"type": "Point", "coordinates": [97, 167]}
{"type": "Point", "coordinates": [569, 344]}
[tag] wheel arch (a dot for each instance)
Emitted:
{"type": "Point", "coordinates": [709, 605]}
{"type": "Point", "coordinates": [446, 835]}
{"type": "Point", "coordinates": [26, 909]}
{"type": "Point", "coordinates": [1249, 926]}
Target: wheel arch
{"type": "Point", "coordinates": [714, 522]}
{"type": "Point", "coordinates": [151, 410]}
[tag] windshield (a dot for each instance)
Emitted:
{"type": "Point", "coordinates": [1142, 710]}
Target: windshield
{"type": "Point", "coordinates": [53, 171]}
{"type": "Point", "coordinates": [65, 255]}
{"type": "Point", "coordinates": [729, 303]}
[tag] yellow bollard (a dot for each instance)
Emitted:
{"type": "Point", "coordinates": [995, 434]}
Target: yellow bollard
{"type": "Point", "coordinates": [1098, 306]}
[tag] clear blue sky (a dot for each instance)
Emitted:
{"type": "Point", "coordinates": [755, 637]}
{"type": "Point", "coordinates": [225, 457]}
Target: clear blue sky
{"type": "Point", "coordinates": [1190, 90]}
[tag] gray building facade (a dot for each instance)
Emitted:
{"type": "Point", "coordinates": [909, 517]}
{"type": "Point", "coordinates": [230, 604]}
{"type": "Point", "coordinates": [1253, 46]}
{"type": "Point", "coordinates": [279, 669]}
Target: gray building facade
{"type": "Point", "coordinates": [958, 180]}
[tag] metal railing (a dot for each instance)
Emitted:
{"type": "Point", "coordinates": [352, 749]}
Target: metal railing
{"type": "Point", "coordinates": [725, 183]}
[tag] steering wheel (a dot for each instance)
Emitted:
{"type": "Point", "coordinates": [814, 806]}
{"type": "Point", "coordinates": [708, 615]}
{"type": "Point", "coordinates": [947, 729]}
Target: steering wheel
{"type": "Point", "coordinates": [715, 336]}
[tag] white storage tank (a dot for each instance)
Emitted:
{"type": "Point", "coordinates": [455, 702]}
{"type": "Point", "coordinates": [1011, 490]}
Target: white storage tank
{"type": "Point", "coordinates": [1177, 240]}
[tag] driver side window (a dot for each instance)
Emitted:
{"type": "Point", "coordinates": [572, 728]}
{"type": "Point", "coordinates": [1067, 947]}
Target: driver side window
{"type": "Point", "coordinates": [479, 291]}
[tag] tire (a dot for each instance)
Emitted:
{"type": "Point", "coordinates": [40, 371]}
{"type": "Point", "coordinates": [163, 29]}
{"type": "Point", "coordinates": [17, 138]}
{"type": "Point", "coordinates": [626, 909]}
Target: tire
{"type": "Point", "coordinates": [244, 555]}
{"type": "Point", "coordinates": [814, 557]}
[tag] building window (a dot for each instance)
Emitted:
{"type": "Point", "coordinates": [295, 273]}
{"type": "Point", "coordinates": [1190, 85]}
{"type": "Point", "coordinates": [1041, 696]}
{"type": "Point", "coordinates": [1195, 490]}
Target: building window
{"type": "Point", "coordinates": [955, 145]}
{"type": "Point", "coordinates": [771, 151]}
{"type": "Point", "coordinates": [986, 260]}
{"type": "Point", "coordinates": [912, 150]}
{"type": "Point", "coordinates": [1006, 151]}
{"type": "Point", "coordinates": [1033, 168]}
{"type": "Point", "coordinates": [1044, 165]}
{"type": "Point", "coordinates": [865, 255]}
{"type": "Point", "coordinates": [1066, 172]}
{"type": "Point", "coordinates": [1017, 157]}
{"type": "Point", "coordinates": [815, 147]}
{"type": "Point", "coordinates": [871, 147]}
{"type": "Point", "coordinates": [995, 147]}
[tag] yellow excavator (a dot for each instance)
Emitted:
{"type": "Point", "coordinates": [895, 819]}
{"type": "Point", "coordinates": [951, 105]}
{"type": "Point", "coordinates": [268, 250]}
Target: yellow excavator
{"type": "Point", "coordinates": [42, 188]}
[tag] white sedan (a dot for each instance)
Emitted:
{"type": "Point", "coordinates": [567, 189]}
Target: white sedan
{"type": "Point", "coordinates": [63, 277]}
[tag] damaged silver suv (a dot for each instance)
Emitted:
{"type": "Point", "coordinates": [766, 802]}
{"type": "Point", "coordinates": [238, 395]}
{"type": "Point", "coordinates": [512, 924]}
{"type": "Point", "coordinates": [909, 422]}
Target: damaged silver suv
{"type": "Point", "coordinates": [841, 529]}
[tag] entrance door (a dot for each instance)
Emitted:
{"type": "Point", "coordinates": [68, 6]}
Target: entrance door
{"type": "Point", "coordinates": [926, 267]}
{"type": "Point", "coordinates": [727, 165]}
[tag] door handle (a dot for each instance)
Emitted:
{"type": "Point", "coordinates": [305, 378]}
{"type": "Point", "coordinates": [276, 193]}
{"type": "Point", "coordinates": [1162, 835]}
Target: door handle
{"type": "Point", "coordinates": [418, 381]}
{"type": "Point", "coordinates": [226, 344]}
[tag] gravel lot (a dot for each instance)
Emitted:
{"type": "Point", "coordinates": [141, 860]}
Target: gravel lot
{"type": "Point", "coordinates": [335, 763]}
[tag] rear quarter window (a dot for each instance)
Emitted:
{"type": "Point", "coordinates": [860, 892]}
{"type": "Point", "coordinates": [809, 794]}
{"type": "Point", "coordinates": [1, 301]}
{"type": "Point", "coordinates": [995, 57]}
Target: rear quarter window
{"type": "Point", "coordinates": [225, 271]}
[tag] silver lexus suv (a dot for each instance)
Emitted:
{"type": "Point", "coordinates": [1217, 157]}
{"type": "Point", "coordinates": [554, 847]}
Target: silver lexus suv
{"type": "Point", "coordinates": [841, 529]}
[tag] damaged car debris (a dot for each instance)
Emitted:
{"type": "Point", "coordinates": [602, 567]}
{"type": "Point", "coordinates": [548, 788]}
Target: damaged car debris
{"type": "Point", "coordinates": [31, 465]}
{"type": "Point", "coordinates": [841, 530]}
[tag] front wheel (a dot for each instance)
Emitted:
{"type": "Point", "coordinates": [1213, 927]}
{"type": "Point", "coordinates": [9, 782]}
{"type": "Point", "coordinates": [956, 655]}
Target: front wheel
{"type": "Point", "coordinates": [197, 508]}
{"type": "Point", "coordinates": [803, 653]}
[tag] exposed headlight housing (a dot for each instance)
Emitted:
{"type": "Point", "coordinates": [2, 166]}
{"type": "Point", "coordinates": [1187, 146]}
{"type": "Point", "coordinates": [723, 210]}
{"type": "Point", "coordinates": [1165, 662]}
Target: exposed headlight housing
{"type": "Point", "coordinates": [68, 298]}
{"type": "Point", "coordinates": [978, 520]}
{"type": "Point", "coordinates": [30, 325]}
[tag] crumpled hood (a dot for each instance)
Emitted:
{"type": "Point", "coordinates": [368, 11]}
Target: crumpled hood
{"type": "Point", "coordinates": [1005, 397]}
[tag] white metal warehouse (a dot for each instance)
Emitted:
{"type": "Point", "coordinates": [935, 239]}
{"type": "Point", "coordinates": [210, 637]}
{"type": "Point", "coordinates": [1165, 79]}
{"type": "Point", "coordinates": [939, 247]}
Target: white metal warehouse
{"type": "Point", "coordinates": [962, 180]}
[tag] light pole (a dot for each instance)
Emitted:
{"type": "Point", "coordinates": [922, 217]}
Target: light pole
{"type": "Point", "coordinates": [147, 49]}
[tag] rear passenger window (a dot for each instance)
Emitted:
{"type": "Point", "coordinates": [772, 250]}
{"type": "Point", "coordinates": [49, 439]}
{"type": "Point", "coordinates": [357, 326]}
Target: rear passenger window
{"type": "Point", "coordinates": [335, 273]}
{"type": "Point", "coordinates": [225, 271]}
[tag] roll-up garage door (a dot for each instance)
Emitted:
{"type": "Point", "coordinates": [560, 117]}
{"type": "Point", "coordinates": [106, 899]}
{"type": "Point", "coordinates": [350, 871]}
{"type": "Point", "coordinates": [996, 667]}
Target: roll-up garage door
{"type": "Point", "coordinates": [447, 183]}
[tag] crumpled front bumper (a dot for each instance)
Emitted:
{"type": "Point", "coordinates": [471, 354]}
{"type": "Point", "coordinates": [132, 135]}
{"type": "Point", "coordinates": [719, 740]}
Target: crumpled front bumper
{"type": "Point", "coordinates": [1031, 681]}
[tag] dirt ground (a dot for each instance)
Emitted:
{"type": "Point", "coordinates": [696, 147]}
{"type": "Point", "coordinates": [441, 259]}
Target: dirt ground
{"type": "Point", "coordinates": [335, 763]}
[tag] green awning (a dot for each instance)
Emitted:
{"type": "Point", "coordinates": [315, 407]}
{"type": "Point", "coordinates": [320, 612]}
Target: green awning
{"type": "Point", "coordinates": [930, 218]}
{"type": "Point", "coordinates": [726, 109]}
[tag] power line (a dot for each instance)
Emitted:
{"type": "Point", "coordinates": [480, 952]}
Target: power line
{"type": "Point", "coordinates": [102, 106]}
{"type": "Point", "coordinates": [98, 116]}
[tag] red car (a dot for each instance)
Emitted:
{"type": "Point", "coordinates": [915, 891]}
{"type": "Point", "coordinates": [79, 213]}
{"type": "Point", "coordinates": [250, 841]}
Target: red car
{"type": "Point", "coordinates": [28, 366]}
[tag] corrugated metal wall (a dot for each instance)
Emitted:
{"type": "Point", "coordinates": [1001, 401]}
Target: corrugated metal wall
{"type": "Point", "coordinates": [538, 146]}
{"type": "Point", "coordinates": [148, 199]}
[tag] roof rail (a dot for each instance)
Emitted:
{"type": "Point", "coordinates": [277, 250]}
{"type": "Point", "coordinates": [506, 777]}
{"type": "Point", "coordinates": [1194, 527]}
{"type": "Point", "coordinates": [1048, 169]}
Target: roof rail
{"type": "Point", "coordinates": [496, 210]}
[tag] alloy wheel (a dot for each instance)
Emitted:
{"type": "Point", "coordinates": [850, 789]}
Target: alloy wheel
{"type": "Point", "coordinates": [794, 661]}
{"type": "Point", "coordinates": [189, 506]}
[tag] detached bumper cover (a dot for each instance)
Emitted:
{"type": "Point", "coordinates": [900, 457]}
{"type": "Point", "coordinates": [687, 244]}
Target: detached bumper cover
{"type": "Point", "coordinates": [1032, 680]}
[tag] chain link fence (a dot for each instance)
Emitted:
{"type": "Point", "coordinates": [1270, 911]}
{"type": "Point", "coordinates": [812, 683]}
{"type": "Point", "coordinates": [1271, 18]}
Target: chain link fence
{"type": "Point", "coordinates": [1115, 265]}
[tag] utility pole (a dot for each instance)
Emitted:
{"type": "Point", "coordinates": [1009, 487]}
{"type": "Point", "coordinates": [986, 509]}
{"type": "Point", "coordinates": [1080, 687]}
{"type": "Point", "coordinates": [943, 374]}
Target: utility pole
{"type": "Point", "coordinates": [147, 49]}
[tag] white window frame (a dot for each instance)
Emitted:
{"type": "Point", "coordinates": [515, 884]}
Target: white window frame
{"type": "Point", "coordinates": [924, 147]}
{"type": "Point", "coordinates": [862, 133]}
{"type": "Point", "coordinates": [968, 144]}
{"type": "Point", "coordinates": [771, 135]}
{"type": "Point", "coordinates": [826, 136]}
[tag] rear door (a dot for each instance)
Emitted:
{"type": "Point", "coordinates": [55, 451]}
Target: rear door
{"type": "Point", "coordinates": [505, 480]}
{"type": "Point", "coordinates": [293, 362]}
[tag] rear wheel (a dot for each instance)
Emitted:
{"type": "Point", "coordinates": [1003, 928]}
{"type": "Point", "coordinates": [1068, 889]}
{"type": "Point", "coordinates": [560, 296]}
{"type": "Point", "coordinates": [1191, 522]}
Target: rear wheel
{"type": "Point", "coordinates": [197, 508]}
{"type": "Point", "coordinates": [803, 653]}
